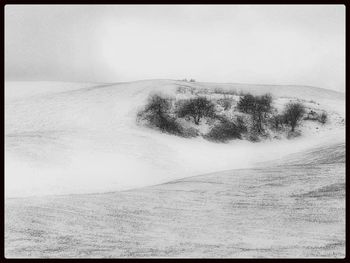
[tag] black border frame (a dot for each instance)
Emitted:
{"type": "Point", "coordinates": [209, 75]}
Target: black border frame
{"type": "Point", "coordinates": [139, 2]}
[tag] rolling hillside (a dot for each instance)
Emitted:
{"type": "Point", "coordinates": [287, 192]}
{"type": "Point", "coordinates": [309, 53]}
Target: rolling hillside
{"type": "Point", "coordinates": [273, 211]}
{"type": "Point", "coordinates": [83, 138]}
{"type": "Point", "coordinates": [82, 179]}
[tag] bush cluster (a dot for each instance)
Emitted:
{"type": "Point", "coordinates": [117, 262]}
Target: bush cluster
{"type": "Point", "coordinates": [224, 131]}
{"type": "Point", "coordinates": [257, 115]}
{"type": "Point", "coordinates": [314, 116]}
{"type": "Point", "coordinates": [156, 113]}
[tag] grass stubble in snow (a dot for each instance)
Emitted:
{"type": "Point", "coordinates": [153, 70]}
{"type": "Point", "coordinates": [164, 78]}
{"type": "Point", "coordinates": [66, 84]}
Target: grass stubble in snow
{"type": "Point", "coordinates": [293, 206]}
{"type": "Point", "coordinates": [274, 211]}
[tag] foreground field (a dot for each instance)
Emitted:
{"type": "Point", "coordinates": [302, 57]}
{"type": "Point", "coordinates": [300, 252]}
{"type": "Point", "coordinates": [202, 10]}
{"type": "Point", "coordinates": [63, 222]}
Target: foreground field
{"type": "Point", "coordinates": [282, 209]}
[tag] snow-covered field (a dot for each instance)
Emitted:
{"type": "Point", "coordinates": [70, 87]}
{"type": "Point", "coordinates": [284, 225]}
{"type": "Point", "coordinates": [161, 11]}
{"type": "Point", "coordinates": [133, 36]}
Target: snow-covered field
{"type": "Point", "coordinates": [277, 210]}
{"type": "Point", "coordinates": [83, 138]}
{"type": "Point", "coordinates": [83, 179]}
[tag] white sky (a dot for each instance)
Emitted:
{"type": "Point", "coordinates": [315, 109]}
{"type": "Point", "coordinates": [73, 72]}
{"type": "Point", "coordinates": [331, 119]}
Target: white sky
{"type": "Point", "coordinates": [235, 43]}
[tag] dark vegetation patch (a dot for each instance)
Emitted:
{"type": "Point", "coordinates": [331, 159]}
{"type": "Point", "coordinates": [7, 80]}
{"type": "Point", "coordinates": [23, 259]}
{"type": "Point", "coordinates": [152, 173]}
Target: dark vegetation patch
{"type": "Point", "coordinates": [224, 131]}
{"type": "Point", "coordinates": [235, 115]}
{"type": "Point", "coordinates": [312, 115]}
{"type": "Point", "coordinates": [196, 108]}
{"type": "Point", "coordinates": [157, 114]}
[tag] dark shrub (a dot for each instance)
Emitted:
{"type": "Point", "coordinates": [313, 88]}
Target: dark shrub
{"type": "Point", "coordinates": [241, 124]}
{"type": "Point", "coordinates": [224, 131]}
{"type": "Point", "coordinates": [246, 104]}
{"type": "Point", "coordinates": [323, 118]}
{"type": "Point", "coordinates": [293, 113]}
{"type": "Point", "coordinates": [157, 105]}
{"type": "Point", "coordinates": [196, 108]}
{"type": "Point", "coordinates": [264, 103]}
{"type": "Point", "coordinates": [156, 113]}
{"type": "Point", "coordinates": [261, 108]}
{"type": "Point", "coordinates": [168, 124]}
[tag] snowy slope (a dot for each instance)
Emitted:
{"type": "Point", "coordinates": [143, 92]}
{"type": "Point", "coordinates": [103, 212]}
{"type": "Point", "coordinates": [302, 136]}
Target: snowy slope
{"type": "Point", "coordinates": [84, 138]}
{"type": "Point", "coordinates": [23, 89]}
{"type": "Point", "coordinates": [295, 211]}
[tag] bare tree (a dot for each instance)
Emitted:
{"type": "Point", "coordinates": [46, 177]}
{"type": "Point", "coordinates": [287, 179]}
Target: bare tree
{"type": "Point", "coordinates": [293, 113]}
{"type": "Point", "coordinates": [261, 108]}
{"type": "Point", "coordinates": [196, 108]}
{"type": "Point", "coordinates": [258, 107]}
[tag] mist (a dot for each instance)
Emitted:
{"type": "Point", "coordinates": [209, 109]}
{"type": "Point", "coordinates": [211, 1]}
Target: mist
{"type": "Point", "coordinates": [299, 44]}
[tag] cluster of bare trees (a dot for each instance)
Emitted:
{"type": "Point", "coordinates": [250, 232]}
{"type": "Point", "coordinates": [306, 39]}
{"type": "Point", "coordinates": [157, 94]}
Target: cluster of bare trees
{"type": "Point", "coordinates": [164, 114]}
{"type": "Point", "coordinates": [260, 108]}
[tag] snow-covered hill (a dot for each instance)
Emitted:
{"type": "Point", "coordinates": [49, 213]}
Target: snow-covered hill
{"type": "Point", "coordinates": [83, 138]}
{"type": "Point", "coordinates": [292, 210]}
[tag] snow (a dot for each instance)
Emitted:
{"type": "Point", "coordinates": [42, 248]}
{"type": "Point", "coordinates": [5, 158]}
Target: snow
{"type": "Point", "coordinates": [23, 89]}
{"type": "Point", "coordinates": [288, 210]}
{"type": "Point", "coordinates": [64, 138]}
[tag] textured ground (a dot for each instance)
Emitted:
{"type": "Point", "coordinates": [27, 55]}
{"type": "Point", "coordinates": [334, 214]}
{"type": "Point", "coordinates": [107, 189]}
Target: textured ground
{"type": "Point", "coordinates": [283, 209]}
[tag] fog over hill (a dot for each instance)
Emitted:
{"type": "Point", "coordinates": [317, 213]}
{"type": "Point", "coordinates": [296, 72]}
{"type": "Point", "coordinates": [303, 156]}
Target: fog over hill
{"type": "Point", "coordinates": [82, 138]}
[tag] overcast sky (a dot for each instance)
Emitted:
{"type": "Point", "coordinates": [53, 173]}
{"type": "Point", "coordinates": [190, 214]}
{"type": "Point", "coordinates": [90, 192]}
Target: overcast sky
{"type": "Point", "coordinates": [250, 44]}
